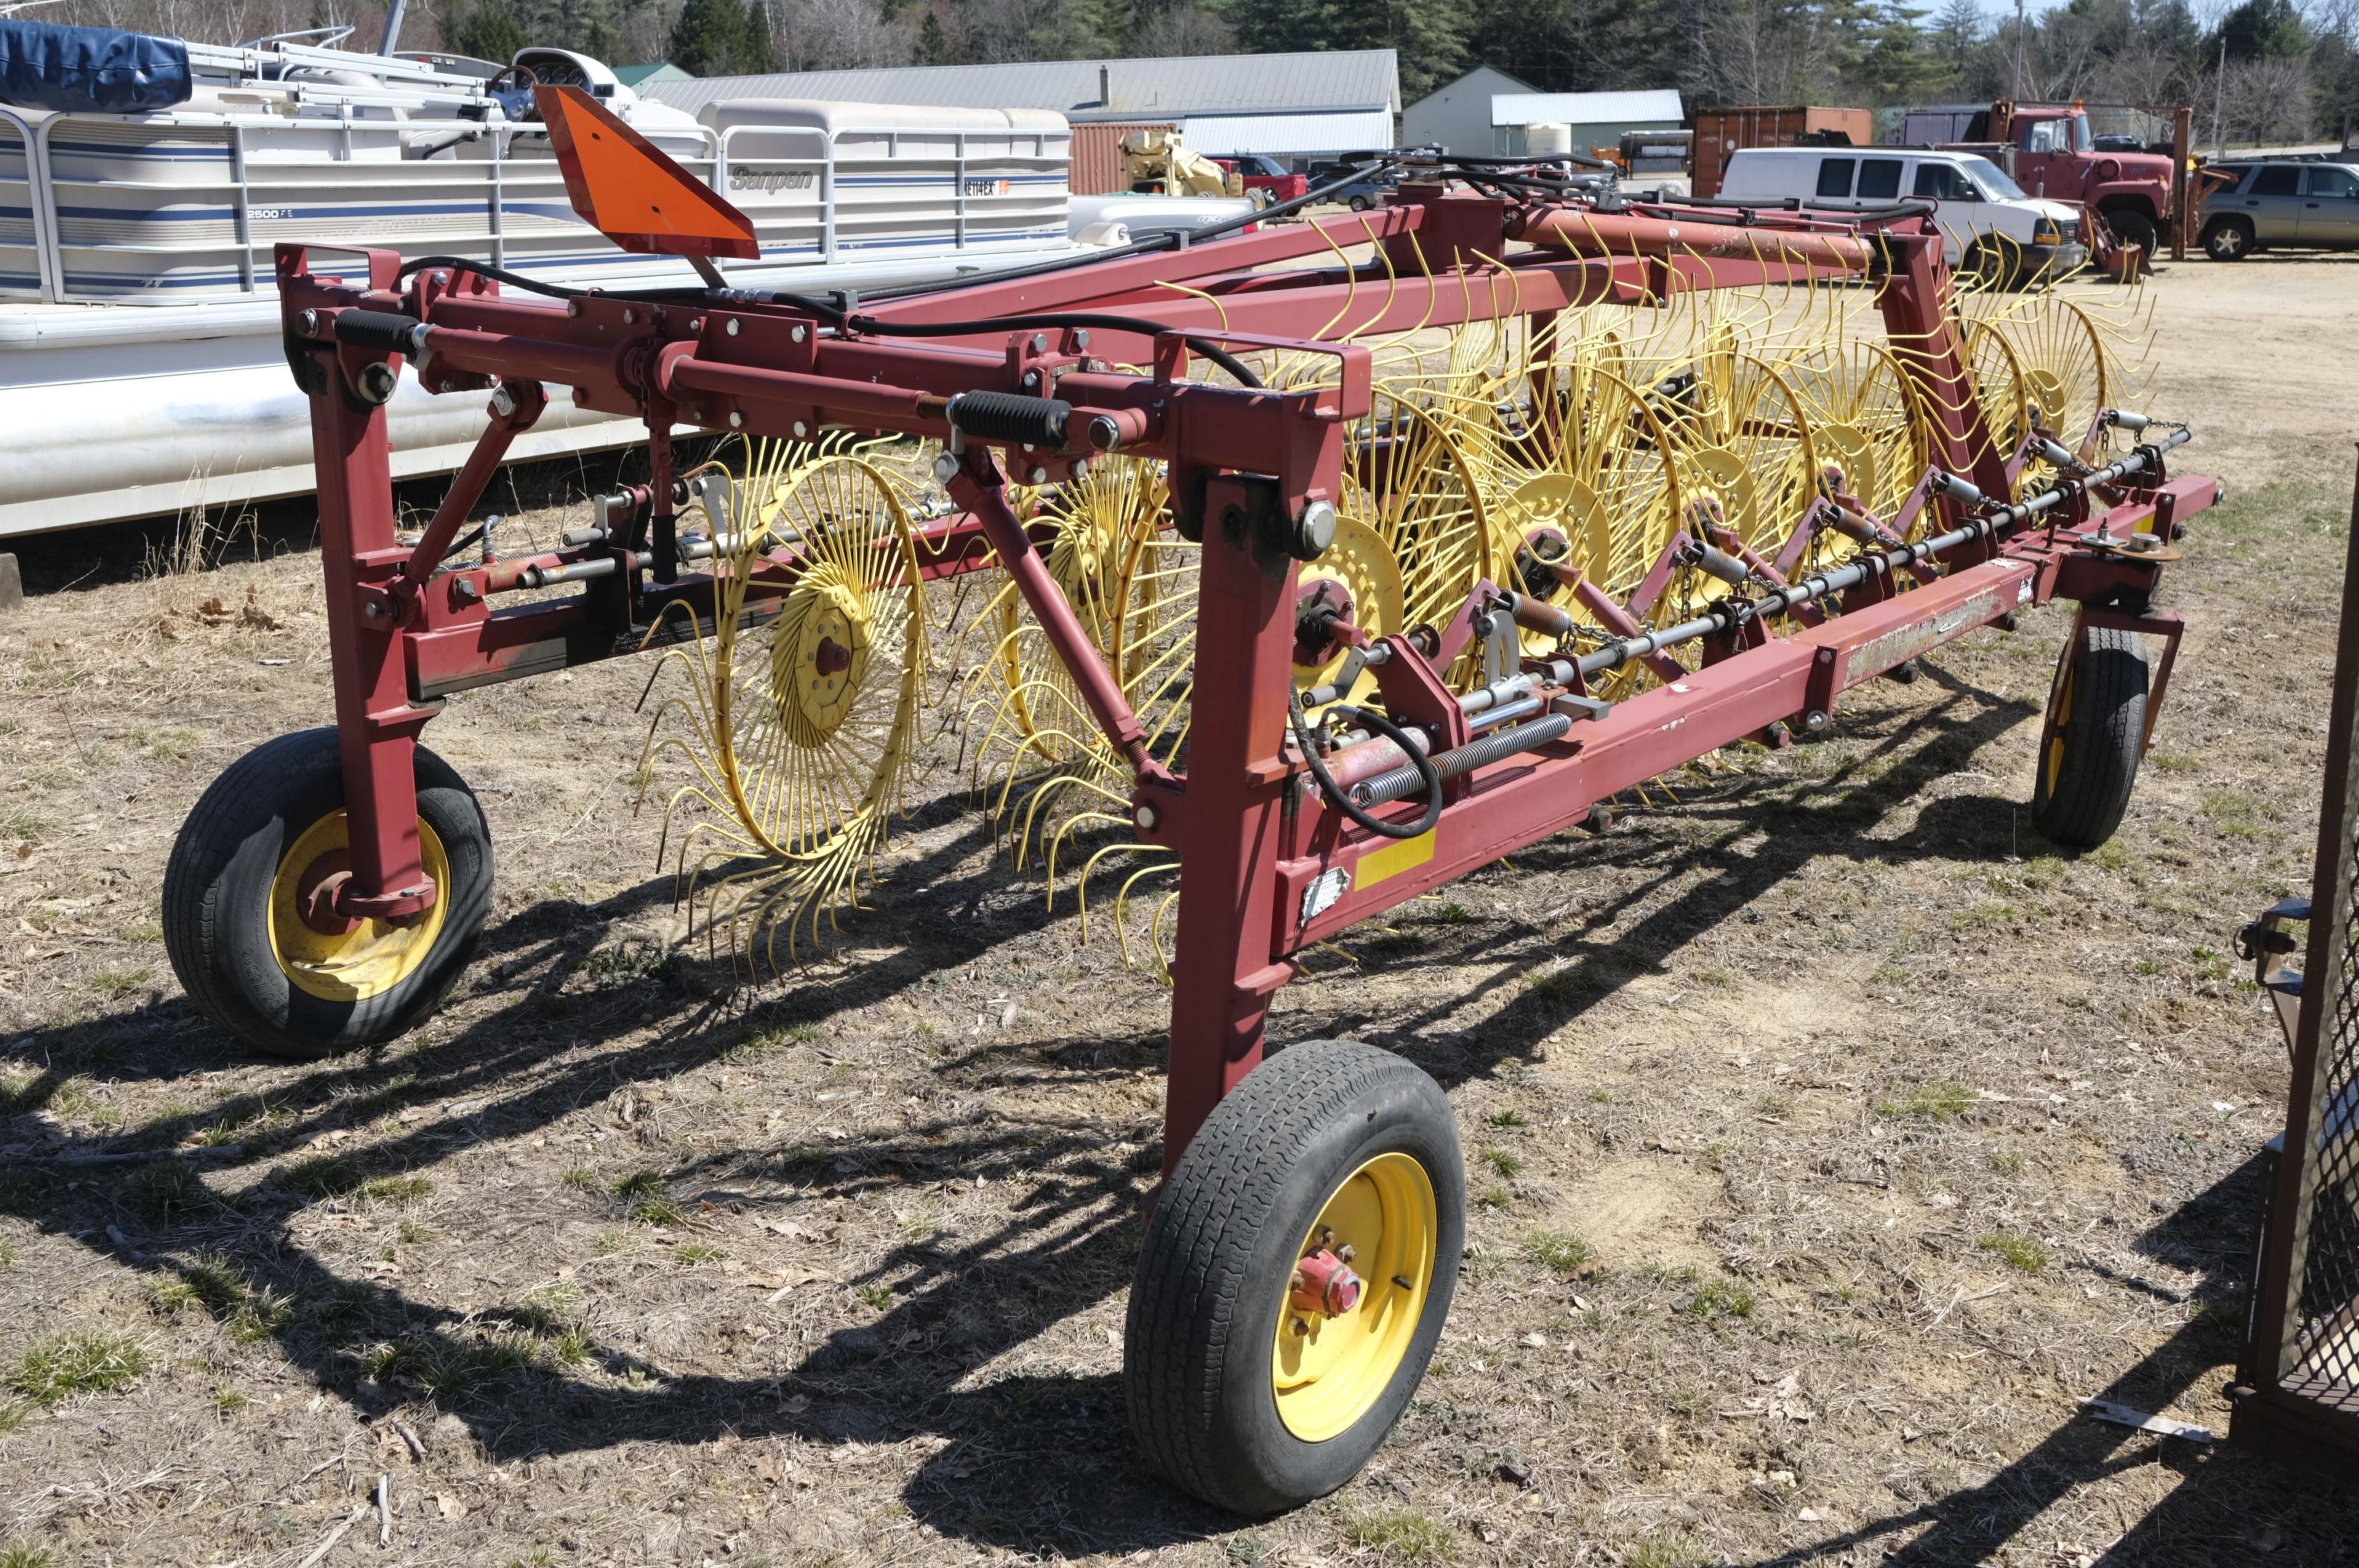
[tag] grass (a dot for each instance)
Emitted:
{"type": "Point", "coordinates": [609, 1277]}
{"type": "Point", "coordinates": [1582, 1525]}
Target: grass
{"type": "Point", "coordinates": [767, 1043]}
{"type": "Point", "coordinates": [580, 1181]}
{"type": "Point", "coordinates": [1721, 1298]}
{"type": "Point", "coordinates": [9, 1256]}
{"type": "Point", "coordinates": [1558, 1249]}
{"type": "Point", "coordinates": [2020, 1251]}
{"type": "Point", "coordinates": [1510, 1116]}
{"type": "Point", "coordinates": [115, 984]}
{"type": "Point", "coordinates": [320, 1176]}
{"type": "Point", "coordinates": [56, 1367]}
{"type": "Point", "coordinates": [693, 1254]}
{"type": "Point", "coordinates": [394, 1189]}
{"type": "Point", "coordinates": [24, 1555]}
{"type": "Point", "coordinates": [876, 1298]}
{"type": "Point", "coordinates": [20, 826]}
{"type": "Point", "coordinates": [1663, 1552]}
{"type": "Point", "coordinates": [1401, 1535]}
{"type": "Point", "coordinates": [459, 1368]}
{"type": "Point", "coordinates": [1505, 1162]}
{"type": "Point", "coordinates": [247, 1313]}
{"type": "Point", "coordinates": [647, 1200]}
{"type": "Point", "coordinates": [1944, 1102]}
{"type": "Point", "coordinates": [169, 1193]}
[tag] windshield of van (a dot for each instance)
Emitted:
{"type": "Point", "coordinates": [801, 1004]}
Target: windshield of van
{"type": "Point", "coordinates": [1991, 179]}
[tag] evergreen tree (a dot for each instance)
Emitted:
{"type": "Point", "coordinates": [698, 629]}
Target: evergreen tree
{"type": "Point", "coordinates": [485, 29]}
{"type": "Point", "coordinates": [934, 44]}
{"type": "Point", "coordinates": [1430, 39]}
{"type": "Point", "coordinates": [2263, 29]}
{"type": "Point", "coordinates": [709, 37]}
{"type": "Point", "coordinates": [759, 54]}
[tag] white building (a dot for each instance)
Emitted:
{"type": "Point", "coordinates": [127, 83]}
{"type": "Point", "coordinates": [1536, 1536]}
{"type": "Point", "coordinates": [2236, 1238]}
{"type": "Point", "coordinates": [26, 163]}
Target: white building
{"type": "Point", "coordinates": [1294, 107]}
{"type": "Point", "coordinates": [1488, 114]}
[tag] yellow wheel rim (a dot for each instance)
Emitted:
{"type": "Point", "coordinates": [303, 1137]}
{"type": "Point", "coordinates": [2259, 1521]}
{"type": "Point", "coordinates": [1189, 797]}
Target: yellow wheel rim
{"type": "Point", "coordinates": [374, 956]}
{"type": "Point", "coordinates": [1328, 1372]}
{"type": "Point", "coordinates": [2055, 759]}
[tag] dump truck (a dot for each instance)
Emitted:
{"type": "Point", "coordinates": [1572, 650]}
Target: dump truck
{"type": "Point", "coordinates": [2052, 152]}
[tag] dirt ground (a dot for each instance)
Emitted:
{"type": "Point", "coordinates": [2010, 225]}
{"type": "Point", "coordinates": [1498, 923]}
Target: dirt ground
{"type": "Point", "coordinates": [1833, 1136]}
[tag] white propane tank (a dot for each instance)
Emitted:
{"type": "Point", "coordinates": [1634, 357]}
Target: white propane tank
{"type": "Point", "coordinates": [1548, 141]}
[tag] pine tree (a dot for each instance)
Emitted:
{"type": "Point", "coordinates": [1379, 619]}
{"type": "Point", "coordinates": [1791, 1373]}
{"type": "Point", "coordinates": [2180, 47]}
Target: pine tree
{"type": "Point", "coordinates": [934, 44]}
{"type": "Point", "coordinates": [485, 29]}
{"type": "Point", "coordinates": [1430, 39]}
{"type": "Point", "coordinates": [759, 54]}
{"type": "Point", "coordinates": [2264, 29]}
{"type": "Point", "coordinates": [709, 37]}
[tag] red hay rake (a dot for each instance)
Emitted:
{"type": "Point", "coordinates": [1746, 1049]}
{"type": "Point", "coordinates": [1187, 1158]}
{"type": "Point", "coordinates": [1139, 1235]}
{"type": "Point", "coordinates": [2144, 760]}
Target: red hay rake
{"type": "Point", "coordinates": [1303, 1248]}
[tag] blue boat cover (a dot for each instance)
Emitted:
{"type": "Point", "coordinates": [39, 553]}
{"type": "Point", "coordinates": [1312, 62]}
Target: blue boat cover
{"type": "Point", "coordinates": [43, 66]}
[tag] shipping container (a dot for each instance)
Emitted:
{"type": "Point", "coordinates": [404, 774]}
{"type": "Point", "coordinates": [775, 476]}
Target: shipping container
{"type": "Point", "coordinates": [1097, 154]}
{"type": "Point", "coordinates": [1720, 132]}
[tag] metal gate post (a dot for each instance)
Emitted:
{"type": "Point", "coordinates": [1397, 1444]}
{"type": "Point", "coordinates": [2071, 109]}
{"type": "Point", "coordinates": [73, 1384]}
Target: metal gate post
{"type": "Point", "coordinates": [2297, 1393]}
{"type": "Point", "coordinates": [1228, 815]}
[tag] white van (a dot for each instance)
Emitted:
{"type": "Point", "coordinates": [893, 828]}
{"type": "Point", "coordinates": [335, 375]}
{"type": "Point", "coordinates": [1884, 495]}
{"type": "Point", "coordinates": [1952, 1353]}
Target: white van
{"type": "Point", "coordinates": [1987, 221]}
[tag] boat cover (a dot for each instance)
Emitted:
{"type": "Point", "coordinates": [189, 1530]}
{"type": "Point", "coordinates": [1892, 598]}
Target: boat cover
{"type": "Point", "coordinates": [70, 70]}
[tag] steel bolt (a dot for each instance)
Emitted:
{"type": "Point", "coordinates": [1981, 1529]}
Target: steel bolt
{"type": "Point", "coordinates": [802, 429]}
{"type": "Point", "coordinates": [503, 402]}
{"type": "Point", "coordinates": [1816, 720]}
{"type": "Point", "coordinates": [572, 307]}
{"type": "Point", "coordinates": [308, 323]}
{"type": "Point", "coordinates": [736, 419]}
{"type": "Point", "coordinates": [1036, 476]}
{"type": "Point", "coordinates": [630, 316]}
{"type": "Point", "coordinates": [1039, 343]}
{"type": "Point", "coordinates": [796, 335]}
{"type": "Point", "coordinates": [1080, 468]}
{"type": "Point", "coordinates": [1300, 1328]}
{"type": "Point", "coordinates": [945, 468]}
{"type": "Point", "coordinates": [1081, 338]}
{"type": "Point", "coordinates": [1146, 818]}
{"type": "Point", "coordinates": [730, 325]}
{"type": "Point", "coordinates": [1031, 378]}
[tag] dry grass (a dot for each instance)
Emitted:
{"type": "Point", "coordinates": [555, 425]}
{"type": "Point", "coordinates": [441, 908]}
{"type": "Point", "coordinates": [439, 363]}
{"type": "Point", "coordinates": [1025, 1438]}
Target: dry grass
{"type": "Point", "coordinates": [1804, 1064]}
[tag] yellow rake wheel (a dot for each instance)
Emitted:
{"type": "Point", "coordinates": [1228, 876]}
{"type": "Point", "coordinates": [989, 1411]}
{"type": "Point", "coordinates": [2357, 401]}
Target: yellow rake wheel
{"type": "Point", "coordinates": [2066, 374]}
{"type": "Point", "coordinates": [1999, 385]}
{"type": "Point", "coordinates": [1414, 489]}
{"type": "Point", "coordinates": [1866, 421]}
{"type": "Point", "coordinates": [1357, 575]}
{"type": "Point", "coordinates": [802, 716]}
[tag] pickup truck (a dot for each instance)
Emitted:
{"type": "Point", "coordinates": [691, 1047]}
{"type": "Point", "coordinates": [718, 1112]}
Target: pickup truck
{"type": "Point", "coordinates": [1263, 173]}
{"type": "Point", "coordinates": [2049, 150]}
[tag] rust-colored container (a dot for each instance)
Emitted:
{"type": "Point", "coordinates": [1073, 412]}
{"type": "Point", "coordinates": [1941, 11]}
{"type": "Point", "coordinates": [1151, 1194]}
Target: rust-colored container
{"type": "Point", "coordinates": [1097, 154]}
{"type": "Point", "coordinates": [1720, 132]}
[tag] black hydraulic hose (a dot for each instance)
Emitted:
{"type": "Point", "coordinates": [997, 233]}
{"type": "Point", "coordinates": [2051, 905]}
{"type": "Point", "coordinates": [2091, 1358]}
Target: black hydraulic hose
{"type": "Point", "coordinates": [485, 269]}
{"type": "Point", "coordinates": [1340, 799]}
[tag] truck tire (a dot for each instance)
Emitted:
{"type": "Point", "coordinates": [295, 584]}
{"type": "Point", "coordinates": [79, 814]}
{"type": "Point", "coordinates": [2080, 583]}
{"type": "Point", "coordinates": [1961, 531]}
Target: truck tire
{"type": "Point", "coordinates": [2228, 239]}
{"type": "Point", "coordinates": [2132, 227]}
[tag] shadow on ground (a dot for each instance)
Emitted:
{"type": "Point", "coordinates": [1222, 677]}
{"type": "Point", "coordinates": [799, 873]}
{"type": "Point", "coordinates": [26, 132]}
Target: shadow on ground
{"type": "Point", "coordinates": [1026, 1460]}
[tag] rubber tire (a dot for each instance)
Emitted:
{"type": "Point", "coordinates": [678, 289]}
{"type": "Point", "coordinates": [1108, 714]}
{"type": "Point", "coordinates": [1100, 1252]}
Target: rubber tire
{"type": "Point", "coordinates": [2103, 739]}
{"type": "Point", "coordinates": [1990, 265]}
{"type": "Point", "coordinates": [216, 913]}
{"type": "Point", "coordinates": [1205, 1302]}
{"type": "Point", "coordinates": [1359, 203]}
{"type": "Point", "coordinates": [2133, 228]}
{"type": "Point", "coordinates": [2238, 234]}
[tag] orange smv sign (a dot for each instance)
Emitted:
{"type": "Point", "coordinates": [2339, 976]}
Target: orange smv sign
{"type": "Point", "coordinates": [626, 189]}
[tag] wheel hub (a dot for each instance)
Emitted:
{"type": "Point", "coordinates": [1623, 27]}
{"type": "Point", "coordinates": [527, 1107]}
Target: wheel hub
{"type": "Point", "coordinates": [336, 957]}
{"type": "Point", "coordinates": [1323, 1281]}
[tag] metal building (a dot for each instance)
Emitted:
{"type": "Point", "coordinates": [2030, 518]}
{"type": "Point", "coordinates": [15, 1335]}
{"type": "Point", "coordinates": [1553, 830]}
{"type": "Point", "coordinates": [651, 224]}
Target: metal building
{"type": "Point", "coordinates": [1488, 114]}
{"type": "Point", "coordinates": [1298, 108]}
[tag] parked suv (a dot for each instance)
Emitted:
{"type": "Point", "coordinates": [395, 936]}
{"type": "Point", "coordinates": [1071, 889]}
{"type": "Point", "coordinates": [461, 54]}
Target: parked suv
{"type": "Point", "coordinates": [1988, 225]}
{"type": "Point", "coordinates": [1266, 176]}
{"type": "Point", "coordinates": [2281, 201]}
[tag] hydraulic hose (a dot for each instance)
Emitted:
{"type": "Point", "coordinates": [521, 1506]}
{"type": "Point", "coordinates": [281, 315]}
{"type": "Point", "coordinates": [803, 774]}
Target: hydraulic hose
{"type": "Point", "coordinates": [1340, 799]}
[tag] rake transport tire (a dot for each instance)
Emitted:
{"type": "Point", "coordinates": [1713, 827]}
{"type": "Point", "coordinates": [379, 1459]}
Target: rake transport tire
{"type": "Point", "coordinates": [231, 918]}
{"type": "Point", "coordinates": [1235, 1393]}
{"type": "Point", "coordinates": [2093, 738]}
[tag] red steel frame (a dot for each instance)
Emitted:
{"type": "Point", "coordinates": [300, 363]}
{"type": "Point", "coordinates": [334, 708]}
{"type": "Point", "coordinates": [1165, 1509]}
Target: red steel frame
{"type": "Point", "coordinates": [1251, 836]}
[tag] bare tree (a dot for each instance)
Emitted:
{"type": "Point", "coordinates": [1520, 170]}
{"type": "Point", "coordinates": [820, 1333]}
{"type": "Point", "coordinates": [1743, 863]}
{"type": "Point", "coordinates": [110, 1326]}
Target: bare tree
{"type": "Point", "coordinates": [840, 35]}
{"type": "Point", "coordinates": [1183, 30]}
